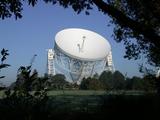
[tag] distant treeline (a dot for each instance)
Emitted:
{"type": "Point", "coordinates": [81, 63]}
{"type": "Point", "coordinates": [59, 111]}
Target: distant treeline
{"type": "Point", "coordinates": [106, 81]}
{"type": "Point", "coordinates": [30, 80]}
{"type": "Point", "coordinates": [117, 81]}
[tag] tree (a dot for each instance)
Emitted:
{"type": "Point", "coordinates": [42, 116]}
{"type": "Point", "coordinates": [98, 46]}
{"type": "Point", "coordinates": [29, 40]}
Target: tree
{"type": "Point", "coordinates": [137, 22]}
{"type": "Point", "coordinates": [137, 25]}
{"type": "Point", "coordinates": [135, 83]}
{"type": "Point", "coordinates": [4, 54]}
{"type": "Point", "coordinates": [106, 78]}
{"type": "Point", "coordinates": [84, 84]}
{"type": "Point", "coordinates": [91, 84]}
{"type": "Point", "coordinates": [25, 78]}
{"type": "Point", "coordinates": [58, 81]}
{"type": "Point", "coordinates": [95, 84]}
{"type": "Point", "coordinates": [31, 105]}
{"type": "Point", "coordinates": [149, 82]}
{"type": "Point", "coordinates": [128, 83]}
{"type": "Point", "coordinates": [38, 83]}
{"type": "Point", "coordinates": [158, 85]}
{"type": "Point", "coordinates": [118, 81]}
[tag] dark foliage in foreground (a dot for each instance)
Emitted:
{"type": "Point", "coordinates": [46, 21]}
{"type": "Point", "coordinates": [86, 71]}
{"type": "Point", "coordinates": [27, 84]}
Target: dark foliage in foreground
{"type": "Point", "coordinates": [80, 107]}
{"type": "Point", "coordinates": [24, 104]}
{"type": "Point", "coordinates": [3, 57]}
{"type": "Point", "coordinates": [21, 105]}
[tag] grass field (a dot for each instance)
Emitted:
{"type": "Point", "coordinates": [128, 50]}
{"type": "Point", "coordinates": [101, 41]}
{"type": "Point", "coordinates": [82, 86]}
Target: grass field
{"type": "Point", "coordinates": [88, 100]}
{"type": "Point", "coordinates": [75, 92]}
{"type": "Point", "coordinates": [84, 104]}
{"type": "Point", "coordinates": [87, 92]}
{"type": "Point", "coordinates": [93, 92]}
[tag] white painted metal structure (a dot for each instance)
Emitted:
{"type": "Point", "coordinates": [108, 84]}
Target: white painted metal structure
{"type": "Point", "coordinates": [109, 63]}
{"type": "Point", "coordinates": [50, 62]}
{"type": "Point", "coordinates": [80, 53]}
{"type": "Point", "coordinates": [158, 73]}
{"type": "Point", "coordinates": [82, 44]}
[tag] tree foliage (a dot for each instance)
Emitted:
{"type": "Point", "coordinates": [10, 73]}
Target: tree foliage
{"type": "Point", "coordinates": [113, 81]}
{"type": "Point", "coordinates": [4, 54]}
{"type": "Point", "coordinates": [22, 102]}
{"type": "Point", "coordinates": [135, 83]}
{"type": "Point", "coordinates": [149, 82]}
{"type": "Point", "coordinates": [91, 84]}
{"type": "Point", "coordinates": [138, 26]}
{"type": "Point", "coordinates": [118, 80]}
{"type": "Point", "coordinates": [106, 79]}
{"type": "Point", "coordinates": [57, 81]}
{"type": "Point", "coordinates": [25, 78]}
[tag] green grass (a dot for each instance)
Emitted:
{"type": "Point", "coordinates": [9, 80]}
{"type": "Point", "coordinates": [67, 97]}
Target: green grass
{"type": "Point", "coordinates": [75, 92]}
{"type": "Point", "coordinates": [86, 93]}
{"type": "Point", "coordinates": [86, 104]}
{"type": "Point", "coordinates": [1, 93]}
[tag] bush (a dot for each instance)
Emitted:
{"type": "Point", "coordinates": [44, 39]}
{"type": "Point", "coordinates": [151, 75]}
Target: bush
{"type": "Point", "coordinates": [22, 105]}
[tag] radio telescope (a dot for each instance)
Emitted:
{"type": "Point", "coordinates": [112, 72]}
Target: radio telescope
{"type": "Point", "coordinates": [79, 53]}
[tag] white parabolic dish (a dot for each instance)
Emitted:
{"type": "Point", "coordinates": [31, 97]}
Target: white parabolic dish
{"type": "Point", "coordinates": [82, 44]}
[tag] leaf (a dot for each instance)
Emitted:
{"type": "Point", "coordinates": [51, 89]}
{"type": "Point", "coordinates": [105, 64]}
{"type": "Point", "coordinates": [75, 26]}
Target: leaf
{"type": "Point", "coordinates": [3, 51]}
{"type": "Point", "coordinates": [4, 66]}
{"type": "Point", "coordinates": [32, 2]}
{"type": "Point", "coordinates": [2, 77]}
{"type": "Point", "coordinates": [28, 67]}
{"type": "Point", "coordinates": [87, 13]}
{"type": "Point", "coordinates": [37, 93]}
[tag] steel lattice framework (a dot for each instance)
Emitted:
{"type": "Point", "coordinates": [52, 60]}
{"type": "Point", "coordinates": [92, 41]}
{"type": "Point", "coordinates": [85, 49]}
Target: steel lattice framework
{"type": "Point", "coordinates": [75, 69]}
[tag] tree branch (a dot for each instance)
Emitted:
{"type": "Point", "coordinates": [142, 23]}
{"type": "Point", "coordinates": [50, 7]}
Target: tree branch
{"type": "Point", "coordinates": [127, 22]}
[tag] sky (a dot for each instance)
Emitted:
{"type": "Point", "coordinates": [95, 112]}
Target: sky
{"type": "Point", "coordinates": [35, 32]}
